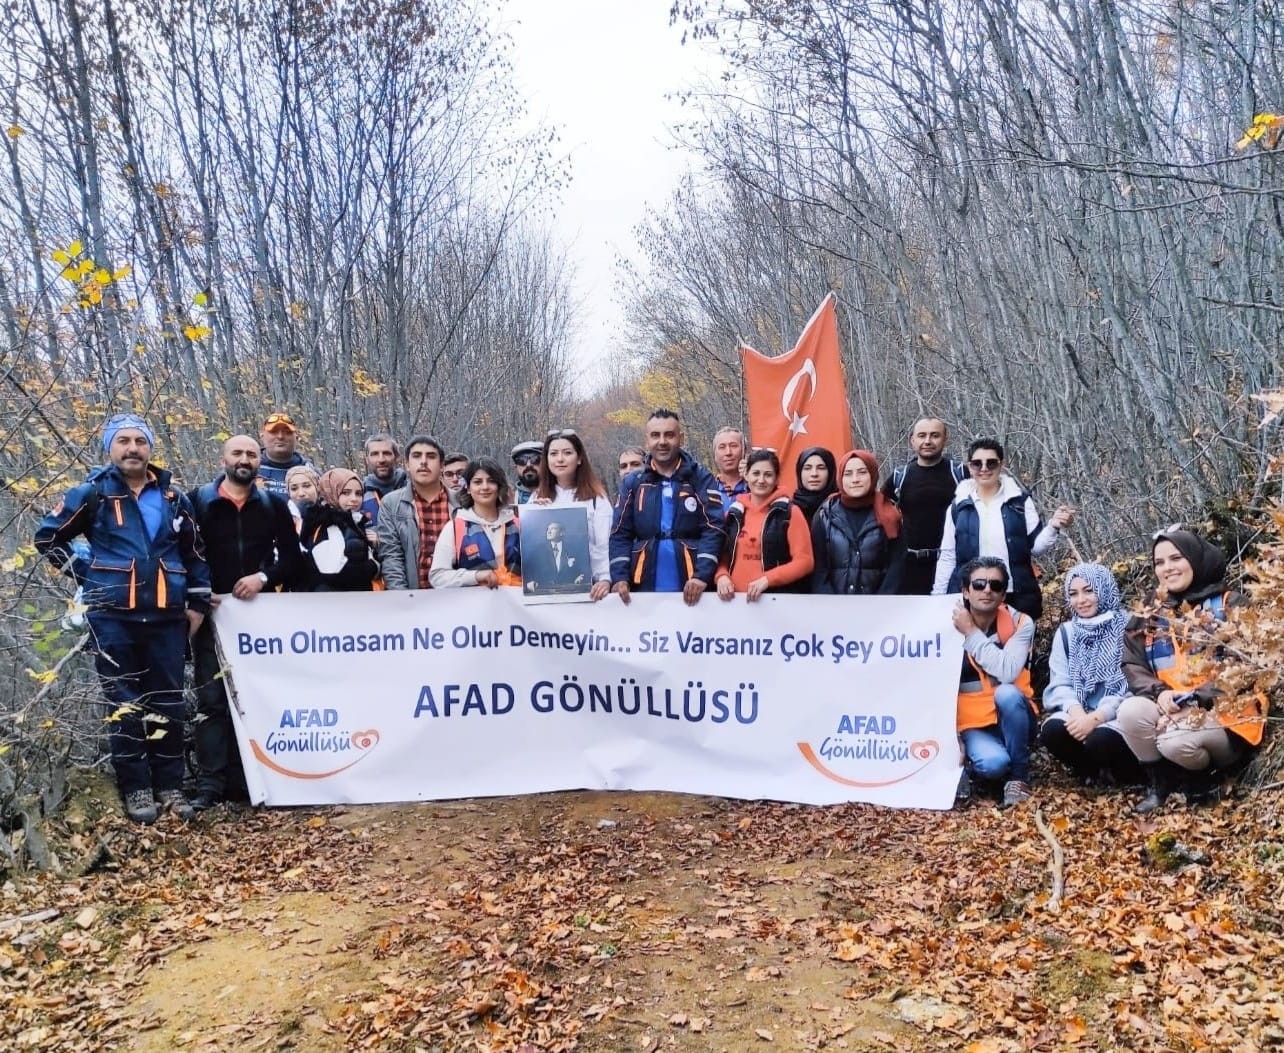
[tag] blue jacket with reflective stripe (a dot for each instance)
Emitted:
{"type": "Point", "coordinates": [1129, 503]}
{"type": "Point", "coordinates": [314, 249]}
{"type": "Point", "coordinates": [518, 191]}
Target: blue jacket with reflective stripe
{"type": "Point", "coordinates": [129, 573]}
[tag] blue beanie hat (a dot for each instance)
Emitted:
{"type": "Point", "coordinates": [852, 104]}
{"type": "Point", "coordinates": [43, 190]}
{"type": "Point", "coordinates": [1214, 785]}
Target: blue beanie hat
{"type": "Point", "coordinates": [121, 421]}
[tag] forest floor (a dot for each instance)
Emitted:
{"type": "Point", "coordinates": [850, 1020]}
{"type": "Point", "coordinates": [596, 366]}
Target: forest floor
{"type": "Point", "coordinates": [629, 921]}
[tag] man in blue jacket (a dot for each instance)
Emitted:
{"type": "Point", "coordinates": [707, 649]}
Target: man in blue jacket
{"type": "Point", "coordinates": [667, 535]}
{"type": "Point", "coordinates": [147, 587]}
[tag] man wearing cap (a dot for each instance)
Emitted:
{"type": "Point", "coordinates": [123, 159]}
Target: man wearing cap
{"type": "Point", "coordinates": [250, 545]}
{"type": "Point", "coordinates": [526, 456]}
{"type": "Point", "coordinates": [148, 589]}
{"type": "Point", "coordinates": [279, 437]}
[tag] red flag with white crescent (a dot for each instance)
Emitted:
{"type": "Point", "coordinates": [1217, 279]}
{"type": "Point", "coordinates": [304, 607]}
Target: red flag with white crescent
{"type": "Point", "coordinates": [799, 399]}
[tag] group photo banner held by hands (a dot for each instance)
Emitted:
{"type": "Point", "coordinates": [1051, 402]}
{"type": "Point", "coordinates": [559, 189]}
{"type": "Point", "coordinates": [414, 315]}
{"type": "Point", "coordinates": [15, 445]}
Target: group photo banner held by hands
{"type": "Point", "coordinates": [407, 696]}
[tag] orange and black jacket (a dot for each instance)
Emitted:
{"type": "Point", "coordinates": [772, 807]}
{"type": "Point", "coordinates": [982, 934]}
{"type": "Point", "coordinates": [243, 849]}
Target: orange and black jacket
{"type": "Point", "coordinates": [128, 573]}
{"type": "Point", "coordinates": [696, 531]}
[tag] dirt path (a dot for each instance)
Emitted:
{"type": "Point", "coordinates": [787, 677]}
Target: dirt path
{"type": "Point", "coordinates": [599, 922]}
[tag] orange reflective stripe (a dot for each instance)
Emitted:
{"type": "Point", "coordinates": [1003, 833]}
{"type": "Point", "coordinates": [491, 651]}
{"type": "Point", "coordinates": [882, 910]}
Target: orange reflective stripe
{"type": "Point", "coordinates": [162, 588]}
{"type": "Point", "coordinates": [686, 554]}
{"type": "Point", "coordinates": [120, 515]}
{"type": "Point", "coordinates": [133, 587]}
{"type": "Point", "coordinates": [637, 571]}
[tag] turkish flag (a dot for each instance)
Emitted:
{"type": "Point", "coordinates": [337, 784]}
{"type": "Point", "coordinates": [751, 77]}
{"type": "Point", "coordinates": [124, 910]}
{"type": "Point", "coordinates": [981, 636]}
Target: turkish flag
{"type": "Point", "coordinates": [799, 399]}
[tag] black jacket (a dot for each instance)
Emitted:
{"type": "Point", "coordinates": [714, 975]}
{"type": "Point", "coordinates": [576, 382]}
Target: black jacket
{"type": "Point", "coordinates": [258, 536]}
{"type": "Point", "coordinates": [853, 555]}
{"type": "Point", "coordinates": [360, 568]}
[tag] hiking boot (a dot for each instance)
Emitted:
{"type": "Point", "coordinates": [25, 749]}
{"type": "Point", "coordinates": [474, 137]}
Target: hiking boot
{"type": "Point", "coordinates": [140, 807]}
{"type": "Point", "coordinates": [1014, 792]}
{"type": "Point", "coordinates": [963, 795]}
{"type": "Point", "coordinates": [176, 803]}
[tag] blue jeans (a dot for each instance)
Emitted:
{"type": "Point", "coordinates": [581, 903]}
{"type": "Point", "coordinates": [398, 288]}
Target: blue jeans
{"type": "Point", "coordinates": [140, 667]}
{"type": "Point", "coordinates": [1002, 751]}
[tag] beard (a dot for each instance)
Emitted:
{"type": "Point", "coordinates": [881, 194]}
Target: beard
{"type": "Point", "coordinates": [242, 474]}
{"type": "Point", "coordinates": [529, 478]}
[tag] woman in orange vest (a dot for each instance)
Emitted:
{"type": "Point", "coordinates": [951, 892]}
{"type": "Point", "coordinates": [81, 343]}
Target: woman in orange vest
{"type": "Point", "coordinates": [1176, 721]}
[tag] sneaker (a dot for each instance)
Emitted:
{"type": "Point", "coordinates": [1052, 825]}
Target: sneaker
{"type": "Point", "coordinates": [176, 803]}
{"type": "Point", "coordinates": [964, 793]}
{"type": "Point", "coordinates": [140, 807]}
{"type": "Point", "coordinates": [1014, 792]}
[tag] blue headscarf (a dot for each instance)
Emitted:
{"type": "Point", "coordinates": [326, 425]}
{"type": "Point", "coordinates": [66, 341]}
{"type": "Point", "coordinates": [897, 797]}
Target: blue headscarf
{"type": "Point", "coordinates": [120, 422]}
{"type": "Point", "coordinates": [1096, 655]}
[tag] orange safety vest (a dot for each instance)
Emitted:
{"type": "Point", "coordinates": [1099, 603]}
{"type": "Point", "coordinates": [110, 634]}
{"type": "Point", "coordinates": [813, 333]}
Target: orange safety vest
{"type": "Point", "coordinates": [1244, 715]}
{"type": "Point", "coordinates": [976, 700]}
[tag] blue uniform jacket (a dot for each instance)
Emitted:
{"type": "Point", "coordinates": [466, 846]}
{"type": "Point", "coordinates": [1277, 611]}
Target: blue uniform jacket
{"type": "Point", "coordinates": [128, 573]}
{"type": "Point", "coordinates": [698, 510]}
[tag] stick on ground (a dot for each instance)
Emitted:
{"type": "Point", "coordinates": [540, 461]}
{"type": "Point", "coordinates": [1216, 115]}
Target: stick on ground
{"type": "Point", "coordinates": [1058, 864]}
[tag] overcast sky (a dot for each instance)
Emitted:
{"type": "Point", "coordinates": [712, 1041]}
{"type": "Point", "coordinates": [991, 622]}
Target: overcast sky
{"type": "Point", "coordinates": [600, 70]}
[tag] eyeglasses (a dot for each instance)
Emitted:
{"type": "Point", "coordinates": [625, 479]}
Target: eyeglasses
{"type": "Point", "coordinates": [987, 464]}
{"type": "Point", "coordinates": [1161, 534]}
{"type": "Point", "coordinates": [562, 433]}
{"type": "Point", "coordinates": [525, 459]}
{"type": "Point", "coordinates": [981, 584]}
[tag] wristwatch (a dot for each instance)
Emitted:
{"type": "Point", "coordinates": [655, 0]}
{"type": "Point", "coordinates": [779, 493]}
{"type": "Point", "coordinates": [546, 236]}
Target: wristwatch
{"type": "Point", "coordinates": [263, 577]}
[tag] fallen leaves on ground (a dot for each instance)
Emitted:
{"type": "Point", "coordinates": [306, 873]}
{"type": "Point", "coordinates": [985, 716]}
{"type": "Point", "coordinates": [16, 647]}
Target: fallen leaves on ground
{"type": "Point", "coordinates": [521, 925]}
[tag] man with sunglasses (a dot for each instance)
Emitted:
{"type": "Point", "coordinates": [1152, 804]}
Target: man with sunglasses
{"type": "Point", "coordinates": [996, 715]}
{"type": "Point", "coordinates": [923, 489]}
{"type": "Point", "coordinates": [280, 436]}
{"type": "Point", "coordinates": [526, 457]}
{"type": "Point", "coordinates": [994, 515]}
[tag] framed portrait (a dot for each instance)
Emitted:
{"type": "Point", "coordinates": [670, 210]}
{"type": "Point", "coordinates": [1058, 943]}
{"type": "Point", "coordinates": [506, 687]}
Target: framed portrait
{"type": "Point", "coordinates": [555, 554]}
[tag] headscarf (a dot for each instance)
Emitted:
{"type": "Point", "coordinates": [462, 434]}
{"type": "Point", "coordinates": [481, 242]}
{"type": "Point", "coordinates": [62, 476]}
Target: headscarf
{"type": "Point", "coordinates": [810, 500]}
{"type": "Point", "coordinates": [331, 484]}
{"type": "Point", "coordinates": [1096, 655]}
{"type": "Point", "coordinates": [120, 422]}
{"type": "Point", "coordinates": [300, 469]}
{"type": "Point", "coordinates": [1207, 561]}
{"type": "Point", "coordinates": [887, 514]}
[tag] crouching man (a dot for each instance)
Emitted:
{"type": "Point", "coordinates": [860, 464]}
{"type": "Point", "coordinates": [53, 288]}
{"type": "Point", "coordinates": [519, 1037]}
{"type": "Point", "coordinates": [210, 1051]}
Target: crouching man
{"type": "Point", "coordinates": [996, 715]}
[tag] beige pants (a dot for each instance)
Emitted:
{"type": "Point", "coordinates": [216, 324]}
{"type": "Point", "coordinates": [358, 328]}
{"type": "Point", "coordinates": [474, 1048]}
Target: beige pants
{"type": "Point", "coordinates": [1192, 748]}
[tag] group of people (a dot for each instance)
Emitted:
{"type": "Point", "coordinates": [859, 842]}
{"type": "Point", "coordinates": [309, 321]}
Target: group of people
{"type": "Point", "coordinates": [1124, 698]}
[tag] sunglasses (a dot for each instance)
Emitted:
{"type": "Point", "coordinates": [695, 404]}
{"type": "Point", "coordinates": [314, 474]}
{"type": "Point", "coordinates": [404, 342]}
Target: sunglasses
{"type": "Point", "coordinates": [280, 419]}
{"type": "Point", "coordinates": [562, 433]}
{"type": "Point", "coordinates": [987, 464]}
{"type": "Point", "coordinates": [526, 459]}
{"type": "Point", "coordinates": [981, 584]}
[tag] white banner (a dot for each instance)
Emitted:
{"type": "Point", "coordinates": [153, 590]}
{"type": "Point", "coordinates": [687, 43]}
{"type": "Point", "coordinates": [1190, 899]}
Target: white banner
{"type": "Point", "coordinates": [404, 696]}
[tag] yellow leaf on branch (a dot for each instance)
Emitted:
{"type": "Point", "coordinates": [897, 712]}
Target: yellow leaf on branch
{"type": "Point", "coordinates": [1266, 129]}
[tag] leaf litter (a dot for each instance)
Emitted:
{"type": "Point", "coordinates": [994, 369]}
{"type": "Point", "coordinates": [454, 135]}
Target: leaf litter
{"type": "Point", "coordinates": [692, 923]}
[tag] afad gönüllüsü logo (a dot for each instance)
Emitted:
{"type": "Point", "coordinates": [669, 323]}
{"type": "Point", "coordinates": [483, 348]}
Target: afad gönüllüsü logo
{"type": "Point", "coordinates": [865, 751]}
{"type": "Point", "coordinates": [309, 744]}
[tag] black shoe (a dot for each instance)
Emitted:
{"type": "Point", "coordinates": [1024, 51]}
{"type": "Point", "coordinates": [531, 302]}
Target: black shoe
{"type": "Point", "coordinates": [1160, 782]}
{"type": "Point", "coordinates": [204, 800]}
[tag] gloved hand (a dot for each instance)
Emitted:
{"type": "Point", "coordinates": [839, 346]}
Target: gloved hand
{"type": "Point", "coordinates": [328, 554]}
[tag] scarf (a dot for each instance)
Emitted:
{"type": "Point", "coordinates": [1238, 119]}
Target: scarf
{"type": "Point", "coordinates": [810, 500]}
{"type": "Point", "coordinates": [1096, 655]}
{"type": "Point", "coordinates": [887, 514]}
{"type": "Point", "coordinates": [332, 483]}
